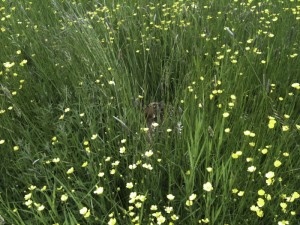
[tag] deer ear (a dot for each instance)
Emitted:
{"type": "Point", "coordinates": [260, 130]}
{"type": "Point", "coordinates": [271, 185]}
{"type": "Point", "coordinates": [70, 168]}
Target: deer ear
{"type": "Point", "coordinates": [161, 104]}
{"type": "Point", "coordinates": [138, 103]}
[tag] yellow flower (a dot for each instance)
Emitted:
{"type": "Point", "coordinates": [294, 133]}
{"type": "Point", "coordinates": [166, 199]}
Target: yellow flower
{"type": "Point", "coordinates": [252, 144]}
{"type": "Point", "coordinates": [71, 170]}
{"type": "Point", "coordinates": [149, 153]}
{"type": "Point", "coordinates": [28, 196]}
{"type": "Point", "coordinates": [251, 169]}
{"type": "Point", "coordinates": [234, 155]}
{"type": "Point", "coordinates": [264, 151]}
{"type": "Point", "coordinates": [206, 220]}
{"type": "Point", "coordinates": [56, 160]}
{"type": "Point", "coordinates": [189, 203]}
{"type": "Point", "coordinates": [32, 187]}
{"type": "Point", "coordinates": [208, 187]}
{"type": "Point", "coordinates": [84, 164]}
{"type": "Point", "coordinates": [283, 205]}
{"type": "Point", "coordinates": [94, 136]}
{"type": "Point", "coordinates": [261, 192]}
{"type": "Point", "coordinates": [192, 197]}
{"type": "Point", "coordinates": [296, 85]}
{"type": "Point", "coordinates": [161, 219]}
{"type": "Point", "coordinates": [41, 208]}
{"type": "Point", "coordinates": [64, 197]}
{"type": "Point", "coordinates": [227, 130]}
{"type": "Point", "coordinates": [132, 197]}
{"type": "Point", "coordinates": [225, 114]}
{"type": "Point", "coordinates": [112, 221]}
{"type": "Point", "coordinates": [235, 190]}
{"type": "Point", "coordinates": [209, 169]}
{"type": "Point", "coordinates": [169, 209]}
{"type": "Point", "coordinates": [283, 222]}
{"type": "Point", "coordinates": [237, 154]}
{"type": "Point", "coordinates": [129, 185]}
{"type": "Point", "coordinates": [145, 129]}
{"type": "Point", "coordinates": [277, 163]}
{"type": "Point", "coordinates": [8, 64]}
{"type": "Point", "coordinates": [252, 134]}
{"type": "Point", "coordinates": [99, 190]}
{"type": "Point", "coordinates": [138, 205]}
{"type": "Point", "coordinates": [154, 125]}
{"type": "Point", "coordinates": [153, 207]}
{"type": "Point", "coordinates": [247, 132]}
{"type": "Point", "coordinates": [270, 174]}
{"type": "Point", "coordinates": [285, 128]}
{"type": "Point", "coordinates": [122, 150]}
{"type": "Point", "coordinates": [269, 181]}
{"type": "Point", "coordinates": [260, 202]}
{"type": "Point", "coordinates": [111, 82]}
{"type": "Point", "coordinates": [241, 193]}
{"type": "Point", "coordinates": [174, 217]}
{"type": "Point", "coordinates": [254, 208]}
{"type": "Point", "coordinates": [170, 197]}
{"type": "Point", "coordinates": [44, 188]}
{"type": "Point", "coordinates": [285, 154]}
{"type": "Point", "coordinates": [85, 212]}
{"type": "Point", "coordinates": [268, 197]}
{"type": "Point", "coordinates": [295, 195]}
{"type": "Point", "coordinates": [259, 213]}
{"type": "Point", "coordinates": [142, 198]}
{"type": "Point", "coordinates": [23, 62]}
{"type": "Point", "coordinates": [28, 203]}
{"type": "Point", "coordinates": [272, 122]}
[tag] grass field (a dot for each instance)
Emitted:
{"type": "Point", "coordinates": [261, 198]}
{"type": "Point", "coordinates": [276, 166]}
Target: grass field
{"type": "Point", "coordinates": [74, 146]}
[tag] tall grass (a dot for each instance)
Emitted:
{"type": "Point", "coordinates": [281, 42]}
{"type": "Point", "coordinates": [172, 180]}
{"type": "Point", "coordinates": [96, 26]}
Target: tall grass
{"type": "Point", "coordinates": [73, 142]}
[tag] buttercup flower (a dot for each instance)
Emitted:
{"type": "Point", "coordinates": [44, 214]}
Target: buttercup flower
{"type": "Point", "coordinates": [170, 197]}
{"type": "Point", "coordinates": [207, 187]}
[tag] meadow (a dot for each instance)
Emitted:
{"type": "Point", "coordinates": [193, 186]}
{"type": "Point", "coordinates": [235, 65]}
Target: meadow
{"type": "Point", "coordinates": [75, 146]}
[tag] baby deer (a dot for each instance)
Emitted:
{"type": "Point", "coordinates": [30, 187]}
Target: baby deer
{"type": "Point", "coordinates": [156, 112]}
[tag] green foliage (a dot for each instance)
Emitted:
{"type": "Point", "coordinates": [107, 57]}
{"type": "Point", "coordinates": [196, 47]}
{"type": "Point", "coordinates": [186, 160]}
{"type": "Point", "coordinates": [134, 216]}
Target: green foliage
{"type": "Point", "coordinates": [74, 143]}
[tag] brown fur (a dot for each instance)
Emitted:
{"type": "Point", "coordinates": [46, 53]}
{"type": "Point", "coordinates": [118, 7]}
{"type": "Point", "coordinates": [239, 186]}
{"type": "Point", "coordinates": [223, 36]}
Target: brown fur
{"type": "Point", "coordinates": [154, 113]}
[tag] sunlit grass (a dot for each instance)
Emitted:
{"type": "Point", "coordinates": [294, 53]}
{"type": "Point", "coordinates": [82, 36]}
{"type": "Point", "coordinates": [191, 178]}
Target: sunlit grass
{"type": "Point", "coordinates": [75, 145]}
